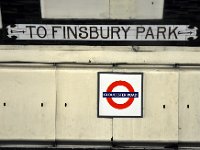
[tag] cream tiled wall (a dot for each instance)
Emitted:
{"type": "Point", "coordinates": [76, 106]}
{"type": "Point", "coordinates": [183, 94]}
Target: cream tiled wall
{"type": "Point", "coordinates": [27, 103]}
{"type": "Point", "coordinates": [189, 120]}
{"type": "Point", "coordinates": [25, 86]}
{"type": "Point", "coordinates": [102, 9]}
{"type": "Point", "coordinates": [75, 8]}
{"type": "Point", "coordinates": [158, 123]}
{"type": "Point", "coordinates": [136, 9]}
{"type": "Point", "coordinates": [78, 120]}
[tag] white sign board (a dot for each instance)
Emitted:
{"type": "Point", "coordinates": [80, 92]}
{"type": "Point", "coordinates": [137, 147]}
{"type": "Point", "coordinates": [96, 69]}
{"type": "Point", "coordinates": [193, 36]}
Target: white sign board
{"type": "Point", "coordinates": [102, 32]}
{"type": "Point", "coordinates": [120, 94]}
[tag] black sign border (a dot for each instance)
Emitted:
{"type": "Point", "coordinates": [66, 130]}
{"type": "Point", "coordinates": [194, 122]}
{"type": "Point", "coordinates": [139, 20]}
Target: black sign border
{"type": "Point", "coordinates": [4, 40]}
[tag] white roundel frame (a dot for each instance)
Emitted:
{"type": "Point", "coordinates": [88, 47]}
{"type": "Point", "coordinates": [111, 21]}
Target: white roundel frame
{"type": "Point", "coordinates": [135, 110]}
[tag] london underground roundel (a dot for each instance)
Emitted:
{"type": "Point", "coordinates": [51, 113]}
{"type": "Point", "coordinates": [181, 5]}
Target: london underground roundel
{"type": "Point", "coordinates": [120, 94]}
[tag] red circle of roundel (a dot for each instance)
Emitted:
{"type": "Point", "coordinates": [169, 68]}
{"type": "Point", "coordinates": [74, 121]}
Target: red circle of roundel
{"type": "Point", "coordinates": [128, 102]}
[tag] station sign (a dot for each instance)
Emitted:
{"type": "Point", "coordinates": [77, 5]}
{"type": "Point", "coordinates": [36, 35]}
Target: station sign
{"type": "Point", "coordinates": [131, 33]}
{"type": "Point", "coordinates": [120, 94]}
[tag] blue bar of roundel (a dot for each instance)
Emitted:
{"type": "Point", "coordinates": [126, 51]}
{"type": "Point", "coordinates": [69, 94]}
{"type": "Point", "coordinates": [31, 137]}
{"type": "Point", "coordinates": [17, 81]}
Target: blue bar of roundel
{"type": "Point", "coordinates": [120, 94]}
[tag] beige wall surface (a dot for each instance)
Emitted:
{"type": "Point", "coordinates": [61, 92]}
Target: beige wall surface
{"type": "Point", "coordinates": [136, 9]}
{"type": "Point", "coordinates": [77, 88]}
{"type": "Point", "coordinates": [158, 124]}
{"type": "Point", "coordinates": [31, 75]}
{"type": "Point", "coordinates": [75, 8]}
{"type": "Point", "coordinates": [189, 113]}
{"type": "Point", "coordinates": [21, 92]}
{"type": "Point", "coordinates": [103, 9]}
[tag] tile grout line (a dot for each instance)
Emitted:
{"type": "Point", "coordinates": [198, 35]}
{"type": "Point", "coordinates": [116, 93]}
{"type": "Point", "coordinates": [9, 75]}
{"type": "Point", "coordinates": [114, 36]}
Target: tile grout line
{"type": "Point", "coordinates": [178, 101]}
{"type": "Point", "coordinates": [56, 88]}
{"type": "Point", "coordinates": [109, 10]}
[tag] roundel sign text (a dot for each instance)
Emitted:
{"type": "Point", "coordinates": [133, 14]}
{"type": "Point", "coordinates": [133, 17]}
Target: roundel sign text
{"type": "Point", "coordinates": [120, 94]}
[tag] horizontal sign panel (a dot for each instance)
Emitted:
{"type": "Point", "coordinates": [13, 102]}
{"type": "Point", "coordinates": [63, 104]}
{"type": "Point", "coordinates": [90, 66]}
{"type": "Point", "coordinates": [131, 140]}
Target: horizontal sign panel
{"type": "Point", "coordinates": [102, 32]}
